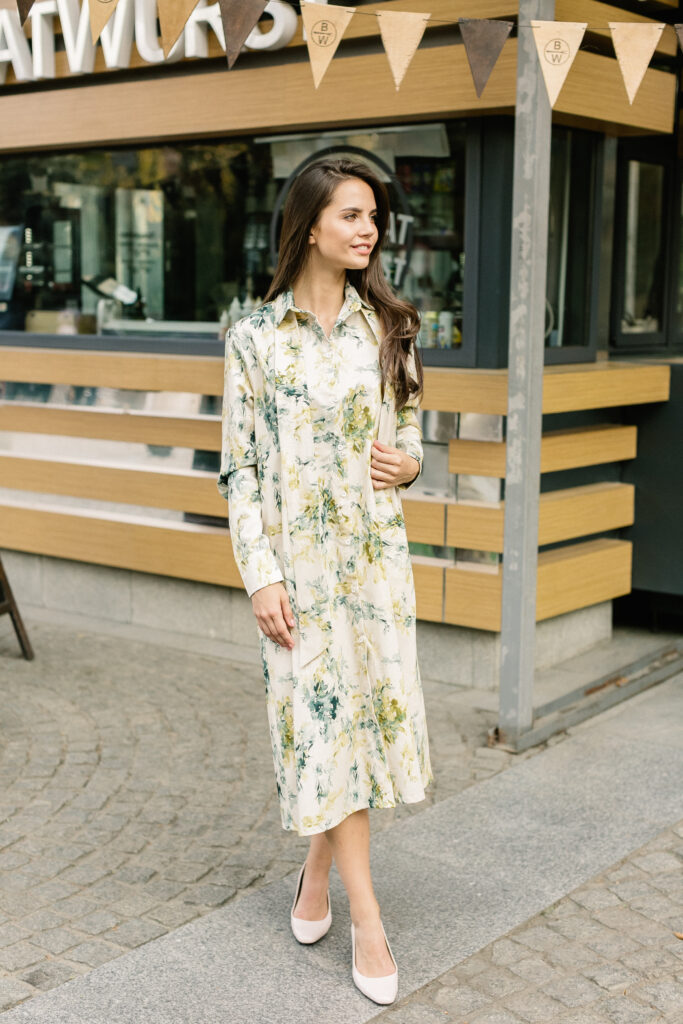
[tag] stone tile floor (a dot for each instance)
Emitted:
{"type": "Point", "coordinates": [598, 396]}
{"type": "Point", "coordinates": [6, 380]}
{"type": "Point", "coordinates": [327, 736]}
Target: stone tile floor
{"type": "Point", "coordinates": [607, 953]}
{"type": "Point", "coordinates": [137, 793]}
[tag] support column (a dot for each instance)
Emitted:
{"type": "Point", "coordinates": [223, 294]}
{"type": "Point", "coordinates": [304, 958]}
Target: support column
{"type": "Point", "coordinates": [531, 190]}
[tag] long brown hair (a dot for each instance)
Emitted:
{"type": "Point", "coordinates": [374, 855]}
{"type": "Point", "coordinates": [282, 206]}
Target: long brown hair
{"type": "Point", "coordinates": [311, 192]}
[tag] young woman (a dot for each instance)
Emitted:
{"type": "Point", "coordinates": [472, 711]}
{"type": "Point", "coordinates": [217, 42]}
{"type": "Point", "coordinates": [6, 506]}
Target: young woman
{"type": "Point", "coordinates": [311, 378]}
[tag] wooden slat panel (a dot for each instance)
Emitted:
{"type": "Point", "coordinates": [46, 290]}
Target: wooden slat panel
{"type": "Point", "coordinates": [580, 511]}
{"type": "Point", "coordinates": [571, 577]}
{"type": "Point", "coordinates": [473, 598]}
{"type": "Point", "coordinates": [563, 514]}
{"type": "Point", "coordinates": [582, 574]}
{"type": "Point", "coordinates": [465, 390]}
{"type": "Point", "coordinates": [425, 521]}
{"type": "Point", "coordinates": [200, 432]}
{"type": "Point", "coordinates": [198, 375]}
{"type": "Point", "coordinates": [190, 491]}
{"type": "Point", "coordinates": [560, 449]}
{"type": "Point", "coordinates": [184, 550]}
{"type": "Point", "coordinates": [586, 446]}
{"type": "Point", "coordinates": [601, 385]}
{"type": "Point", "coordinates": [475, 527]}
{"type": "Point", "coordinates": [256, 97]}
{"type": "Point", "coordinates": [598, 14]}
{"type": "Point", "coordinates": [428, 590]}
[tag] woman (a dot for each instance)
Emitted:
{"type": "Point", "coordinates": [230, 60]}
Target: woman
{"type": "Point", "coordinates": [320, 542]}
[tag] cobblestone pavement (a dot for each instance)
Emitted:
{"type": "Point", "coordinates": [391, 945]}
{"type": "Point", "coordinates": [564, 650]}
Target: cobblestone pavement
{"type": "Point", "coordinates": [137, 792]}
{"type": "Point", "coordinates": [606, 953]}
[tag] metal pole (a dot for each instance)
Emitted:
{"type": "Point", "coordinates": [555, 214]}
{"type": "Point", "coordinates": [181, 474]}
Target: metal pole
{"type": "Point", "coordinates": [531, 190]}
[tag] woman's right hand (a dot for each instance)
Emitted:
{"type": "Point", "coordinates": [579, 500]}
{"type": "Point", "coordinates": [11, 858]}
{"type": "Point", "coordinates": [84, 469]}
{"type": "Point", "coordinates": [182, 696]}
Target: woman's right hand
{"type": "Point", "coordinates": [273, 613]}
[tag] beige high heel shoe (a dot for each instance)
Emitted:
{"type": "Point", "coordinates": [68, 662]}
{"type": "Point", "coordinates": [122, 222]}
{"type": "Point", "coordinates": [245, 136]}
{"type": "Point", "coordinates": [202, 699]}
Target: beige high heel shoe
{"type": "Point", "coordinates": [382, 989]}
{"type": "Point", "coordinates": [309, 931]}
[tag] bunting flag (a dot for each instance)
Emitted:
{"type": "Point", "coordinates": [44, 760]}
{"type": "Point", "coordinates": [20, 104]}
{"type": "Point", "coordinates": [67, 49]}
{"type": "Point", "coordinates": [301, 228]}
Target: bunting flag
{"type": "Point", "coordinates": [100, 12]}
{"type": "Point", "coordinates": [401, 34]}
{"type": "Point", "coordinates": [24, 9]}
{"type": "Point", "coordinates": [483, 39]}
{"type": "Point", "coordinates": [239, 18]}
{"type": "Point", "coordinates": [325, 25]}
{"type": "Point", "coordinates": [634, 44]}
{"type": "Point", "coordinates": [173, 15]}
{"type": "Point", "coordinates": [679, 32]}
{"type": "Point", "coordinates": [557, 43]}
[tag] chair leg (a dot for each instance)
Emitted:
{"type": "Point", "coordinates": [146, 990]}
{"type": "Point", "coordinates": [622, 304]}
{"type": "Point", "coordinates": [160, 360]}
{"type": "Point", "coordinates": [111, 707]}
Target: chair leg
{"type": "Point", "coordinates": [9, 605]}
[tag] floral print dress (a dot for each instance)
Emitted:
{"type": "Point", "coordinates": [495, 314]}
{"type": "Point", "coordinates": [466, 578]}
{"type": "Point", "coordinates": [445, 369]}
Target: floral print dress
{"type": "Point", "coordinates": [345, 706]}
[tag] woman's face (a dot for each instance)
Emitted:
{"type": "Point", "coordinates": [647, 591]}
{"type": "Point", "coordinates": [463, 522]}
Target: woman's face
{"type": "Point", "coordinates": [346, 231]}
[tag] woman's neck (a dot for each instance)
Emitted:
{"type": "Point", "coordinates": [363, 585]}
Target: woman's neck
{"type": "Point", "coordinates": [321, 292]}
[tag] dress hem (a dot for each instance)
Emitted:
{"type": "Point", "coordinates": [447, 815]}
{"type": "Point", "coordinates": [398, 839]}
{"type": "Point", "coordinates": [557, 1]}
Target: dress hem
{"type": "Point", "coordinates": [361, 807]}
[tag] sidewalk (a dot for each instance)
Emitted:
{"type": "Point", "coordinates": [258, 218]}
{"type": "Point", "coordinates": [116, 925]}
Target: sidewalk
{"type": "Point", "coordinates": [137, 784]}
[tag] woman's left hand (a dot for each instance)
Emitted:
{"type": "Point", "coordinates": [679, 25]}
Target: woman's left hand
{"type": "Point", "coordinates": [390, 466]}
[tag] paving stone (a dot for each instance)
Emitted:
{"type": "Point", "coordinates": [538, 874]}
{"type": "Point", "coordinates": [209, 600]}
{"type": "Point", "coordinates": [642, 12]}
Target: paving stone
{"type": "Point", "coordinates": [460, 1000]}
{"type": "Point", "coordinates": [505, 951]}
{"type": "Point", "coordinates": [667, 995]}
{"type": "Point", "coordinates": [496, 982]}
{"type": "Point", "coordinates": [533, 1006]}
{"type": "Point", "coordinates": [650, 963]}
{"type": "Point", "coordinates": [612, 977]}
{"type": "Point", "coordinates": [653, 863]}
{"type": "Point", "coordinates": [94, 953]}
{"type": "Point", "coordinates": [135, 932]}
{"type": "Point", "coordinates": [596, 899]}
{"type": "Point", "coordinates": [97, 922]}
{"type": "Point", "coordinates": [623, 1010]}
{"type": "Point", "coordinates": [209, 895]}
{"type": "Point", "coordinates": [13, 991]}
{"type": "Point", "coordinates": [572, 990]}
{"type": "Point", "coordinates": [57, 940]}
{"type": "Point", "coordinates": [533, 970]}
{"type": "Point", "coordinates": [495, 1017]}
{"type": "Point", "coordinates": [20, 954]}
{"type": "Point", "coordinates": [49, 974]}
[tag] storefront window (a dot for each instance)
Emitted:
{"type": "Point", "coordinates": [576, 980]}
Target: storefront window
{"type": "Point", "coordinates": [163, 241]}
{"type": "Point", "coordinates": [570, 224]}
{"type": "Point", "coordinates": [644, 271]}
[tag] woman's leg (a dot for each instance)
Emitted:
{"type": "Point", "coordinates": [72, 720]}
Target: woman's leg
{"type": "Point", "coordinates": [312, 902]}
{"type": "Point", "coordinates": [349, 842]}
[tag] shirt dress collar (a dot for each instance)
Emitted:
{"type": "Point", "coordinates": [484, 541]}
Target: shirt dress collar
{"type": "Point", "coordinates": [284, 302]}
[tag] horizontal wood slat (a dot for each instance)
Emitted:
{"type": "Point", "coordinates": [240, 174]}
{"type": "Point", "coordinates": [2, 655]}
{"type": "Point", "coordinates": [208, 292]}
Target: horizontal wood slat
{"type": "Point", "coordinates": [565, 388]}
{"type": "Point", "coordinates": [428, 590]}
{"type": "Point", "coordinates": [425, 521]}
{"type": "Point", "coordinates": [202, 432]}
{"type": "Point", "coordinates": [197, 375]}
{"type": "Point", "coordinates": [184, 491]}
{"type": "Point", "coordinates": [183, 550]}
{"type": "Point", "coordinates": [563, 515]}
{"type": "Point", "coordinates": [571, 577]}
{"type": "Point", "coordinates": [568, 448]}
{"type": "Point", "coordinates": [598, 14]}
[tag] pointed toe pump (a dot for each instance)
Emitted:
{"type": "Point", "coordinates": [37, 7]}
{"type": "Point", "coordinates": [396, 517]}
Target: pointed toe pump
{"type": "Point", "coordinates": [382, 989]}
{"type": "Point", "coordinates": [309, 931]}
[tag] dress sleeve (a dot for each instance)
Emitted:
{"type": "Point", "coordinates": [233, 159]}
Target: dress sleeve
{"type": "Point", "coordinates": [239, 480]}
{"type": "Point", "coordinates": [408, 433]}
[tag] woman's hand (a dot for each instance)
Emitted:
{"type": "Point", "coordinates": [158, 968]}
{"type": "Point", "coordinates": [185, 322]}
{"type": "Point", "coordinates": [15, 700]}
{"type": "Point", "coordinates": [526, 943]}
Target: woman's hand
{"type": "Point", "coordinates": [390, 466]}
{"type": "Point", "coordinates": [273, 613]}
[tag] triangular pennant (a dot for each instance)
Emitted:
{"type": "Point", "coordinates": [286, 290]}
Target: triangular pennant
{"type": "Point", "coordinates": [239, 17]}
{"type": "Point", "coordinates": [401, 33]}
{"type": "Point", "coordinates": [325, 25]}
{"type": "Point", "coordinates": [679, 32]}
{"type": "Point", "coordinates": [557, 43]}
{"type": "Point", "coordinates": [484, 39]}
{"type": "Point", "coordinates": [634, 44]}
{"type": "Point", "coordinates": [100, 12]}
{"type": "Point", "coordinates": [24, 9]}
{"type": "Point", "coordinates": [173, 15]}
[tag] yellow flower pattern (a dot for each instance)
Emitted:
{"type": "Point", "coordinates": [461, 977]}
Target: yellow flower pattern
{"type": "Point", "coordinates": [345, 706]}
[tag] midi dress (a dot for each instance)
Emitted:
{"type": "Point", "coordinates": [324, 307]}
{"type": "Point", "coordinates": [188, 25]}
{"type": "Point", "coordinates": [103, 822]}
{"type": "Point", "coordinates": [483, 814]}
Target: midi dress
{"type": "Point", "coordinates": [345, 706]}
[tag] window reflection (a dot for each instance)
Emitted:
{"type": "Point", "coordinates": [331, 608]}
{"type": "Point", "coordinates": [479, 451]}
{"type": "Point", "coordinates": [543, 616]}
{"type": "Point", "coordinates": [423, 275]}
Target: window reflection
{"type": "Point", "coordinates": [644, 253]}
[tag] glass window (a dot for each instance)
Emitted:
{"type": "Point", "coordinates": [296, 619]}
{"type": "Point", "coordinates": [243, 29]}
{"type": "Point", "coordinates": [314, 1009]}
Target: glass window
{"type": "Point", "coordinates": [161, 240]}
{"type": "Point", "coordinates": [643, 275]}
{"type": "Point", "coordinates": [570, 223]}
